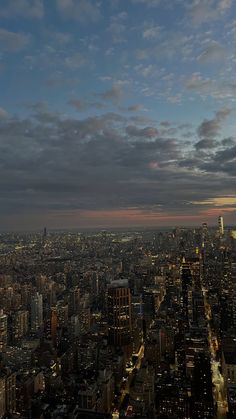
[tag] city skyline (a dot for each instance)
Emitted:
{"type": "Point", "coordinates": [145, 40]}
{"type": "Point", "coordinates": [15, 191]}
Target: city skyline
{"type": "Point", "coordinates": [117, 114]}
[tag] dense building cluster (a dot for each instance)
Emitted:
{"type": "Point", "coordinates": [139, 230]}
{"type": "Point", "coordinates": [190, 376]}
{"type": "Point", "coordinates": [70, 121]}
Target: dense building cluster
{"type": "Point", "coordinates": [118, 324]}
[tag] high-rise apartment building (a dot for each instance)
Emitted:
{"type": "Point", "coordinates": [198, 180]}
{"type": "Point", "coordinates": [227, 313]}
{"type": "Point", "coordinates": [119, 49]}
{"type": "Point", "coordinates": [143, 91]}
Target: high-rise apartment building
{"type": "Point", "coordinates": [10, 393]}
{"type": "Point", "coordinates": [36, 312]}
{"type": "Point", "coordinates": [54, 325]}
{"type": "Point", "coordinates": [119, 313]}
{"type": "Point", "coordinates": [2, 396]}
{"type": "Point", "coordinates": [20, 324]}
{"type": "Point", "coordinates": [3, 331]}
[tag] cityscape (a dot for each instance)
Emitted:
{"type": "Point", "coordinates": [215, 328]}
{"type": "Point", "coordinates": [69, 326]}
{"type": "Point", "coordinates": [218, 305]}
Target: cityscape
{"type": "Point", "coordinates": [117, 324]}
{"type": "Point", "coordinates": [117, 209]}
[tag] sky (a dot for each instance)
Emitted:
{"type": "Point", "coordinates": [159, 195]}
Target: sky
{"type": "Point", "coordinates": [117, 113]}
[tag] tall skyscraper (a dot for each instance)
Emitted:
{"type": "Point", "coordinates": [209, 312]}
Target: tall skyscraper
{"type": "Point", "coordinates": [54, 326]}
{"type": "Point", "coordinates": [20, 324]}
{"type": "Point", "coordinates": [220, 226]}
{"type": "Point", "coordinates": [186, 278]}
{"type": "Point", "coordinates": [2, 396]}
{"type": "Point", "coordinates": [119, 313]}
{"type": "Point", "coordinates": [36, 312]}
{"type": "Point", "coordinates": [3, 331]}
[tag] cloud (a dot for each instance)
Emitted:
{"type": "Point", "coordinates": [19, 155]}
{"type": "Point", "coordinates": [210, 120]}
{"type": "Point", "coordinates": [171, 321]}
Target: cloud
{"type": "Point", "coordinates": [218, 89]}
{"type": "Point", "coordinates": [147, 132]}
{"type": "Point", "coordinates": [75, 61]}
{"type": "Point", "coordinates": [57, 80]}
{"type": "Point", "coordinates": [57, 164]}
{"type": "Point", "coordinates": [22, 8]}
{"type": "Point", "coordinates": [209, 129]}
{"type": "Point", "coordinates": [135, 108]}
{"type": "Point", "coordinates": [83, 105]}
{"type": "Point", "coordinates": [60, 38]}
{"type": "Point", "coordinates": [220, 201]}
{"type": "Point", "coordinates": [205, 144]}
{"type": "Point", "coordinates": [79, 105]}
{"type": "Point", "coordinates": [115, 94]}
{"type": "Point", "coordinates": [228, 142]}
{"type": "Point", "coordinates": [12, 41]}
{"type": "Point", "coordinates": [3, 114]}
{"type": "Point", "coordinates": [203, 11]}
{"type": "Point", "coordinates": [198, 83]}
{"type": "Point", "coordinates": [81, 10]}
{"type": "Point", "coordinates": [152, 32]}
{"type": "Point", "coordinates": [117, 31]}
{"type": "Point", "coordinates": [149, 3]}
{"type": "Point", "coordinates": [213, 52]}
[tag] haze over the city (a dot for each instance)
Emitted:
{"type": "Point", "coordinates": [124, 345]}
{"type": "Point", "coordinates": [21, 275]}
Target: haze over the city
{"type": "Point", "coordinates": [117, 113]}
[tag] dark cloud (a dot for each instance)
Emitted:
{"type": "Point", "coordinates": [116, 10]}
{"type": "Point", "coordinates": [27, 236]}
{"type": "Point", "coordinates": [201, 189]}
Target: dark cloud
{"type": "Point", "coordinates": [147, 132]}
{"type": "Point", "coordinates": [228, 142]}
{"type": "Point", "coordinates": [210, 128]}
{"type": "Point", "coordinates": [50, 162]}
{"type": "Point", "coordinates": [207, 143]}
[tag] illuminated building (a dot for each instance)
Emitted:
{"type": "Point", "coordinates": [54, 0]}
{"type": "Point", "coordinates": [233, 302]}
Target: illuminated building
{"type": "Point", "coordinates": [54, 326]}
{"type": "Point", "coordinates": [119, 313]}
{"type": "Point", "coordinates": [3, 331]}
{"type": "Point", "coordinates": [11, 393]}
{"type": "Point", "coordinates": [203, 406]}
{"type": "Point", "coordinates": [2, 396]}
{"type": "Point", "coordinates": [74, 300]}
{"type": "Point", "coordinates": [36, 312]}
{"type": "Point", "coordinates": [186, 278]}
{"type": "Point", "coordinates": [220, 226]}
{"type": "Point", "coordinates": [20, 324]}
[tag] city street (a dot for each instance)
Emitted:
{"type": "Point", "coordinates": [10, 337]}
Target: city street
{"type": "Point", "coordinates": [217, 378]}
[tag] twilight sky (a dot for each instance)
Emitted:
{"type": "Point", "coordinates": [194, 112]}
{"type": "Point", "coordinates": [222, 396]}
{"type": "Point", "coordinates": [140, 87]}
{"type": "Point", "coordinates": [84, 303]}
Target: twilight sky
{"type": "Point", "coordinates": [117, 113]}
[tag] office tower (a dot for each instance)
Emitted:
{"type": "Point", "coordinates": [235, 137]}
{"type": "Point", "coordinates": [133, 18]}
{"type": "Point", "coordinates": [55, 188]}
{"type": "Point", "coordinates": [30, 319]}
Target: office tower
{"type": "Point", "coordinates": [203, 406]}
{"type": "Point", "coordinates": [54, 326]}
{"type": "Point", "coordinates": [74, 300]}
{"type": "Point", "coordinates": [2, 396]}
{"type": "Point", "coordinates": [220, 226]}
{"type": "Point", "coordinates": [10, 393]}
{"type": "Point", "coordinates": [186, 279]}
{"type": "Point", "coordinates": [36, 312]}
{"type": "Point", "coordinates": [85, 313]}
{"type": "Point", "coordinates": [3, 331]}
{"type": "Point", "coordinates": [62, 313]}
{"type": "Point", "coordinates": [20, 324]}
{"type": "Point", "coordinates": [119, 313]}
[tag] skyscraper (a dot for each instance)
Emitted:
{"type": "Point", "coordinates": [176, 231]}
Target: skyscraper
{"type": "Point", "coordinates": [220, 226]}
{"type": "Point", "coordinates": [186, 278]}
{"type": "Point", "coordinates": [119, 313]}
{"type": "Point", "coordinates": [54, 325]}
{"type": "Point", "coordinates": [36, 312]}
{"type": "Point", "coordinates": [2, 396]}
{"type": "Point", "coordinates": [3, 331]}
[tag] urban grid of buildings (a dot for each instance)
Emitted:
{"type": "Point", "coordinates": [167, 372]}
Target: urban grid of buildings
{"type": "Point", "coordinates": [137, 324]}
